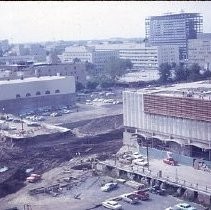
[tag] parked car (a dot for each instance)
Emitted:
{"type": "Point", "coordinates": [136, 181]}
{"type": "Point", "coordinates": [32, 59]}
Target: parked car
{"type": "Point", "coordinates": [128, 157]}
{"type": "Point", "coordinates": [185, 206]}
{"type": "Point", "coordinates": [46, 113]}
{"type": "Point", "coordinates": [157, 190]}
{"type": "Point", "coordinates": [111, 205]}
{"type": "Point", "coordinates": [56, 114]}
{"type": "Point", "coordinates": [142, 194]}
{"type": "Point", "coordinates": [33, 178]}
{"type": "Point", "coordinates": [17, 120]}
{"type": "Point", "coordinates": [137, 155]}
{"type": "Point", "coordinates": [40, 118]}
{"type": "Point", "coordinates": [172, 208]}
{"type": "Point", "coordinates": [9, 119]}
{"type": "Point", "coordinates": [170, 161]}
{"type": "Point", "coordinates": [131, 198]}
{"type": "Point", "coordinates": [33, 124]}
{"type": "Point", "coordinates": [109, 186]}
{"type": "Point", "coordinates": [140, 162]}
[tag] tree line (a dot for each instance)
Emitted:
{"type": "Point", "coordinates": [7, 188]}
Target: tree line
{"type": "Point", "coordinates": [181, 73]}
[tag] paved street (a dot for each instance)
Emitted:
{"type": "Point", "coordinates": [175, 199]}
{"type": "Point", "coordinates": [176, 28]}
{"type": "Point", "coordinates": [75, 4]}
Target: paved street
{"type": "Point", "coordinates": [186, 175]}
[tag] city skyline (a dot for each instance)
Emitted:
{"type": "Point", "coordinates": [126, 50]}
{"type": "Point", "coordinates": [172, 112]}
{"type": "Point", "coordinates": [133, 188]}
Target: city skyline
{"type": "Point", "coordinates": [23, 22]}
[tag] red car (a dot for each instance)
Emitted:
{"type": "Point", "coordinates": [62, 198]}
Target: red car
{"type": "Point", "coordinates": [170, 161]}
{"type": "Point", "coordinates": [142, 194]}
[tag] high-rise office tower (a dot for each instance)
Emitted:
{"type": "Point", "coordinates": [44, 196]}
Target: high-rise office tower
{"type": "Point", "coordinates": [174, 29]}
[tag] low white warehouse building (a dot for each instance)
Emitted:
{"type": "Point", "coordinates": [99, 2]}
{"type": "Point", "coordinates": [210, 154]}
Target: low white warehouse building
{"type": "Point", "coordinates": [36, 92]}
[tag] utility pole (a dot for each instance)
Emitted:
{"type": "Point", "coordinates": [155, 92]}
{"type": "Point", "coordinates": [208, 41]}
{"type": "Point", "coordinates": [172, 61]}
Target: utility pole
{"type": "Point", "coordinates": [147, 151]}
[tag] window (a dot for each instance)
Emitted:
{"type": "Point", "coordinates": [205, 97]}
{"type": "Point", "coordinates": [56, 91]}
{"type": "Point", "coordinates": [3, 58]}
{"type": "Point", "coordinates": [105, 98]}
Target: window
{"type": "Point", "coordinates": [18, 95]}
{"type": "Point", "coordinates": [38, 93]}
{"type": "Point", "coordinates": [47, 92]}
{"type": "Point", "coordinates": [28, 94]}
{"type": "Point", "coordinates": [57, 91]}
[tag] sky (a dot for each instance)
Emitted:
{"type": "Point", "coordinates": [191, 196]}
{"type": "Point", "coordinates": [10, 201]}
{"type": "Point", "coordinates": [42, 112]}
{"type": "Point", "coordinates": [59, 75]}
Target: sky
{"type": "Point", "coordinates": [39, 21]}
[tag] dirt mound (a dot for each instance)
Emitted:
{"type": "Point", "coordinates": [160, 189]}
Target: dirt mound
{"type": "Point", "coordinates": [100, 125]}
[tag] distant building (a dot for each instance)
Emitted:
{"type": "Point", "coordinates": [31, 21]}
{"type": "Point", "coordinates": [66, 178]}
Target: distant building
{"type": "Point", "coordinates": [147, 58]}
{"type": "Point", "coordinates": [14, 71]}
{"type": "Point", "coordinates": [21, 59]}
{"type": "Point", "coordinates": [4, 45]}
{"type": "Point", "coordinates": [37, 49]}
{"type": "Point", "coordinates": [81, 52]}
{"type": "Point", "coordinates": [33, 93]}
{"type": "Point", "coordinates": [89, 54]}
{"type": "Point", "coordinates": [174, 29]}
{"type": "Point", "coordinates": [144, 57]}
{"type": "Point", "coordinates": [20, 50]}
{"type": "Point", "coordinates": [199, 51]}
{"type": "Point", "coordinates": [78, 70]}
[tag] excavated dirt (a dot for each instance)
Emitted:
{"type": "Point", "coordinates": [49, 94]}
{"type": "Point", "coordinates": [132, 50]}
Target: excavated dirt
{"type": "Point", "coordinates": [43, 155]}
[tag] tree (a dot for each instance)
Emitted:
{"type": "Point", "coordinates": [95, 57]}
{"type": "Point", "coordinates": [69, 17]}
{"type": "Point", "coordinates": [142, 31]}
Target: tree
{"type": "Point", "coordinates": [76, 60]}
{"type": "Point", "coordinates": [206, 74]}
{"type": "Point", "coordinates": [164, 72]}
{"type": "Point", "coordinates": [79, 86]}
{"type": "Point", "coordinates": [92, 85]}
{"type": "Point", "coordinates": [194, 72]}
{"type": "Point", "coordinates": [181, 73]}
{"type": "Point", "coordinates": [117, 67]}
{"type": "Point", "coordinates": [90, 68]}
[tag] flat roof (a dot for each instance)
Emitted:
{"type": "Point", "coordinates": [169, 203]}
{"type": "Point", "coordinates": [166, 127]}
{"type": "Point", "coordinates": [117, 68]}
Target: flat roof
{"type": "Point", "coordinates": [31, 79]}
{"type": "Point", "coordinates": [201, 89]}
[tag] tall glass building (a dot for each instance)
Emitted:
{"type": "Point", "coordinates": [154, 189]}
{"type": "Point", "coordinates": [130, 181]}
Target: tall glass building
{"type": "Point", "coordinates": [174, 29]}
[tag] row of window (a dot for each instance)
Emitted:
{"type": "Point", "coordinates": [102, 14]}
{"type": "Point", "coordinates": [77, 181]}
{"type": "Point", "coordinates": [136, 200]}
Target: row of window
{"type": "Point", "coordinates": [38, 93]}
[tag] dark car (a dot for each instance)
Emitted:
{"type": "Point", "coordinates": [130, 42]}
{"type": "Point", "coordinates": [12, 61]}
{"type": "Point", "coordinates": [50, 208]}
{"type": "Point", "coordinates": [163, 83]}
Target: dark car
{"type": "Point", "coordinates": [157, 190]}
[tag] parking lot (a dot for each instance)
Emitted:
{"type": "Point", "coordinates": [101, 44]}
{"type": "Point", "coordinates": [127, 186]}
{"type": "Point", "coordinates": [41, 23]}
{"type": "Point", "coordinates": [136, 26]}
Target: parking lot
{"type": "Point", "coordinates": [91, 195]}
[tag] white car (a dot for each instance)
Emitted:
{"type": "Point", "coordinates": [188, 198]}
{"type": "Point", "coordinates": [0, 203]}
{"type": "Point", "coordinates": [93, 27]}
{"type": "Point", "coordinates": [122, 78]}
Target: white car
{"type": "Point", "coordinates": [172, 208]}
{"type": "Point", "coordinates": [137, 155]}
{"type": "Point", "coordinates": [185, 206]}
{"type": "Point", "coordinates": [109, 186]}
{"type": "Point", "coordinates": [56, 114]}
{"type": "Point", "coordinates": [130, 198]}
{"type": "Point", "coordinates": [40, 118]}
{"type": "Point", "coordinates": [139, 162]}
{"type": "Point", "coordinates": [111, 205]}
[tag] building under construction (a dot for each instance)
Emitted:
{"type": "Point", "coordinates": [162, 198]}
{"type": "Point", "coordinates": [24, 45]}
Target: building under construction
{"type": "Point", "coordinates": [175, 118]}
{"type": "Point", "coordinates": [174, 29]}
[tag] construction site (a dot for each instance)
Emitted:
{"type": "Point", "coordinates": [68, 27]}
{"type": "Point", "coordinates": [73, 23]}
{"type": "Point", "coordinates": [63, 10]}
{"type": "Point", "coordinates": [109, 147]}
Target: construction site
{"type": "Point", "coordinates": [43, 147]}
{"type": "Point", "coordinates": [66, 162]}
